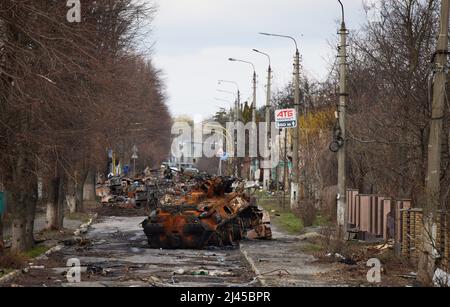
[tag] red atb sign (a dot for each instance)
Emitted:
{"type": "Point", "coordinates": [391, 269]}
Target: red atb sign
{"type": "Point", "coordinates": [286, 118]}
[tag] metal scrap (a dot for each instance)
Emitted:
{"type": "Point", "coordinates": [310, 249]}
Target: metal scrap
{"type": "Point", "coordinates": [202, 212]}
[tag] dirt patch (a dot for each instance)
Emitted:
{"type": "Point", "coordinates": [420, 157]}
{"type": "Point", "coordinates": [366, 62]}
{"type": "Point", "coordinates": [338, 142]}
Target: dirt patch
{"type": "Point", "coordinates": [350, 260]}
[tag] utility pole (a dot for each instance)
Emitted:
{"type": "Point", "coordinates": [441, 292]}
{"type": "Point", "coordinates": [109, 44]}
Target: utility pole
{"type": "Point", "coordinates": [296, 135]}
{"type": "Point", "coordinates": [254, 132]}
{"type": "Point", "coordinates": [267, 171]}
{"type": "Point", "coordinates": [285, 169]}
{"type": "Point", "coordinates": [235, 134]}
{"type": "Point", "coordinates": [237, 112]}
{"type": "Point", "coordinates": [237, 106]}
{"type": "Point", "coordinates": [343, 95]}
{"type": "Point", "coordinates": [433, 179]}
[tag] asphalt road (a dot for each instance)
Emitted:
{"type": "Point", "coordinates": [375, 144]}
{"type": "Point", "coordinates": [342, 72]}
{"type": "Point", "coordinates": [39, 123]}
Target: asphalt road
{"type": "Point", "coordinates": [115, 253]}
{"type": "Point", "coordinates": [285, 262]}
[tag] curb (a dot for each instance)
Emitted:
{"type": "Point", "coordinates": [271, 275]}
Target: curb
{"type": "Point", "coordinates": [81, 230]}
{"type": "Point", "coordinates": [254, 268]}
{"type": "Point", "coordinates": [9, 276]}
{"type": "Point", "coordinates": [85, 227]}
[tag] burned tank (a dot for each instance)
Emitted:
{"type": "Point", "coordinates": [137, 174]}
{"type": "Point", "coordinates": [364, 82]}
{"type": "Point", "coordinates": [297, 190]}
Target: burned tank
{"type": "Point", "coordinates": [215, 212]}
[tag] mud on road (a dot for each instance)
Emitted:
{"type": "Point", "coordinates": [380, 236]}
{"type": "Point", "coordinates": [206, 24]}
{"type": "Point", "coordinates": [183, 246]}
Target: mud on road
{"type": "Point", "coordinates": [114, 253]}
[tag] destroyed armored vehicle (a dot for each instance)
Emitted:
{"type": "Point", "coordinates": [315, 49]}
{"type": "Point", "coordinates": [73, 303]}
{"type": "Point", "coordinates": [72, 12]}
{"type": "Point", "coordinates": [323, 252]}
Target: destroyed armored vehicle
{"type": "Point", "coordinates": [139, 192]}
{"type": "Point", "coordinates": [215, 212]}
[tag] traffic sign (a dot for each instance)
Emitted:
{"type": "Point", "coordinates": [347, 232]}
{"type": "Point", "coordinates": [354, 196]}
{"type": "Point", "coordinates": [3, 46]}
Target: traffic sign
{"type": "Point", "coordinates": [286, 118]}
{"type": "Point", "coordinates": [135, 149]}
{"type": "Point", "coordinates": [225, 157]}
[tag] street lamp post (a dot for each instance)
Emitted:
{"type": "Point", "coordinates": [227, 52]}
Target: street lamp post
{"type": "Point", "coordinates": [238, 101]}
{"type": "Point", "coordinates": [253, 136]}
{"type": "Point", "coordinates": [236, 120]}
{"type": "Point", "coordinates": [296, 135]}
{"type": "Point", "coordinates": [254, 86]}
{"type": "Point", "coordinates": [267, 171]}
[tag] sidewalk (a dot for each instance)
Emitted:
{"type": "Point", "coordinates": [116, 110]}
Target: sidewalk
{"type": "Point", "coordinates": [284, 262]}
{"type": "Point", "coordinates": [39, 225]}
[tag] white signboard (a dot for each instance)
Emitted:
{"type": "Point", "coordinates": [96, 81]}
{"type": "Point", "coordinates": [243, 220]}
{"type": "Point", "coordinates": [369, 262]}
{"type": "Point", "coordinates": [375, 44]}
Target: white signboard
{"type": "Point", "coordinates": [286, 118]}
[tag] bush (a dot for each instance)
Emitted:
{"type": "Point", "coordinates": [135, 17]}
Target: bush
{"type": "Point", "coordinates": [307, 212]}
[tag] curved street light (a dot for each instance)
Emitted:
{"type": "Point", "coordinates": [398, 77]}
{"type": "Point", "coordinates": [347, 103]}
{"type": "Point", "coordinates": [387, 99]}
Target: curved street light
{"type": "Point", "coordinates": [238, 98]}
{"type": "Point", "coordinates": [283, 36]}
{"type": "Point", "coordinates": [254, 85]}
{"type": "Point", "coordinates": [253, 130]}
{"type": "Point", "coordinates": [228, 92]}
{"type": "Point", "coordinates": [231, 82]}
{"type": "Point", "coordinates": [242, 61]}
{"type": "Point", "coordinates": [343, 11]}
{"type": "Point", "coordinates": [263, 53]}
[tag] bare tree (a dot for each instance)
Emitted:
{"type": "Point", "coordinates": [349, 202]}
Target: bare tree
{"type": "Point", "coordinates": [68, 92]}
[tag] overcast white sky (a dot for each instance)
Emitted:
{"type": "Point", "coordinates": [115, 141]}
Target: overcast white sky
{"type": "Point", "coordinates": [195, 38]}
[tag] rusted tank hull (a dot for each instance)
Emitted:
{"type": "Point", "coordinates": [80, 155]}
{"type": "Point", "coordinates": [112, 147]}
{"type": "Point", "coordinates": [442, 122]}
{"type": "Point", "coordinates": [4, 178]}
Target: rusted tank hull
{"type": "Point", "coordinates": [207, 216]}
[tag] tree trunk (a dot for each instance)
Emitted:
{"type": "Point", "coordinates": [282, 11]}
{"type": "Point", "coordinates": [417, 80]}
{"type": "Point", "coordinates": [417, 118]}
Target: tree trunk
{"type": "Point", "coordinates": [79, 190]}
{"type": "Point", "coordinates": [23, 200]}
{"type": "Point", "coordinates": [55, 205]}
{"type": "Point", "coordinates": [18, 232]}
{"type": "Point", "coordinates": [23, 220]}
{"type": "Point", "coordinates": [89, 187]}
{"type": "Point", "coordinates": [70, 195]}
{"type": "Point", "coordinates": [79, 202]}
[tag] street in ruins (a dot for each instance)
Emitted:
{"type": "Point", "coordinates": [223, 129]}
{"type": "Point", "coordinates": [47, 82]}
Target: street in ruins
{"type": "Point", "coordinates": [115, 253]}
{"type": "Point", "coordinates": [257, 146]}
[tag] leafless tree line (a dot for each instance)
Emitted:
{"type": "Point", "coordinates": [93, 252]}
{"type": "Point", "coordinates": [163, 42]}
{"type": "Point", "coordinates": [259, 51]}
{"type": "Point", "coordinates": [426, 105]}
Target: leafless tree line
{"type": "Point", "coordinates": [391, 76]}
{"type": "Point", "coordinates": [69, 92]}
{"type": "Point", "coordinates": [390, 91]}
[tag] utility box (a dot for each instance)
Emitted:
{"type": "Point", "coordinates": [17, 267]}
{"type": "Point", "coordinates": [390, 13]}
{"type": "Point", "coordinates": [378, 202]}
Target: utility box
{"type": "Point", "coordinates": [2, 203]}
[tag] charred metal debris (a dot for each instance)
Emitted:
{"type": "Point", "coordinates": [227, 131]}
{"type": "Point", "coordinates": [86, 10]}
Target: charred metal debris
{"type": "Point", "coordinates": [191, 211]}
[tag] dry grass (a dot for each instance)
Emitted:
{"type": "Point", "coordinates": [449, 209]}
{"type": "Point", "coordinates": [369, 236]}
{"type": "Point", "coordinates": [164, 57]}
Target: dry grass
{"type": "Point", "coordinates": [10, 261]}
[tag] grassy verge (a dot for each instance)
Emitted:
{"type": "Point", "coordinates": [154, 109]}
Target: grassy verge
{"type": "Point", "coordinates": [281, 217]}
{"type": "Point", "coordinates": [10, 262]}
{"type": "Point", "coordinates": [322, 221]}
{"type": "Point", "coordinates": [36, 251]}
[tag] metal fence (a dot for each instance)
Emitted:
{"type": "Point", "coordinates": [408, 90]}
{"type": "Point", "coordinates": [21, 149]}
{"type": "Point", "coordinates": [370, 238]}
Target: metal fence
{"type": "Point", "coordinates": [374, 217]}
